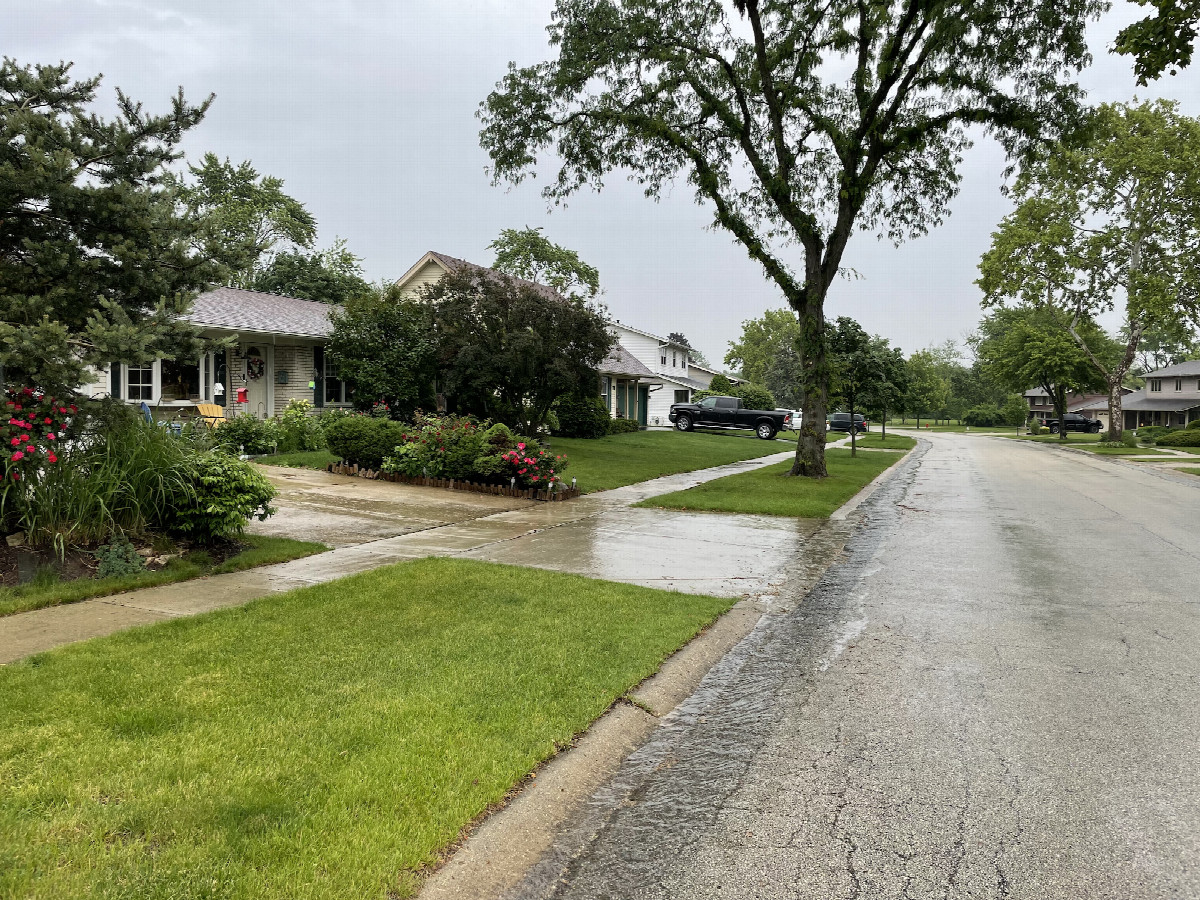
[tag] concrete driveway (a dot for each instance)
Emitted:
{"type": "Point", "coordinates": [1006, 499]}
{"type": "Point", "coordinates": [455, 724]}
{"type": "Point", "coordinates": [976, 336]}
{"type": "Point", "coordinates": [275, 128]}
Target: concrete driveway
{"type": "Point", "coordinates": [995, 695]}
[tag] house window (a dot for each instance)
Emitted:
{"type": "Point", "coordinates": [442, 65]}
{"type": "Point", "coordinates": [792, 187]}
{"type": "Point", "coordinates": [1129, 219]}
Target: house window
{"type": "Point", "coordinates": [139, 381]}
{"type": "Point", "coordinates": [180, 380]}
{"type": "Point", "coordinates": [674, 360]}
{"type": "Point", "coordinates": [606, 391]}
{"type": "Point", "coordinates": [663, 358]}
{"type": "Point", "coordinates": [1155, 385]}
{"type": "Point", "coordinates": [1179, 384]}
{"type": "Point", "coordinates": [681, 396]}
{"type": "Point", "coordinates": [336, 392]}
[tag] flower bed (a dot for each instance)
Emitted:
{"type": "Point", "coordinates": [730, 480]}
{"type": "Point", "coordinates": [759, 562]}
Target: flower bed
{"type": "Point", "coordinates": [558, 493]}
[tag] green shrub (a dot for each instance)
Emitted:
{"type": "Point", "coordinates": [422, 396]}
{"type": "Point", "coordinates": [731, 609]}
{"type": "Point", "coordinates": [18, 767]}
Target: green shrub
{"type": "Point", "coordinates": [249, 434]}
{"type": "Point", "coordinates": [753, 396]}
{"type": "Point", "coordinates": [1014, 410]}
{"type": "Point", "coordinates": [622, 426]}
{"type": "Point", "coordinates": [721, 385]}
{"type": "Point", "coordinates": [1128, 439]}
{"type": "Point", "coordinates": [582, 416]}
{"type": "Point", "coordinates": [225, 493]}
{"type": "Point", "coordinates": [1195, 423]}
{"type": "Point", "coordinates": [301, 430]}
{"type": "Point", "coordinates": [986, 416]}
{"type": "Point", "coordinates": [363, 440]}
{"type": "Point", "coordinates": [1035, 426]}
{"type": "Point", "coordinates": [118, 557]}
{"type": "Point", "coordinates": [439, 447]}
{"type": "Point", "coordinates": [1181, 437]}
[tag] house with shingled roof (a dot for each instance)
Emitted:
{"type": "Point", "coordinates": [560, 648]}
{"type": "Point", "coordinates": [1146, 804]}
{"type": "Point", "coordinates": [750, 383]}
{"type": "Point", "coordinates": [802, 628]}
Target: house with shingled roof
{"type": "Point", "coordinates": [1171, 397]}
{"type": "Point", "coordinates": [277, 354]}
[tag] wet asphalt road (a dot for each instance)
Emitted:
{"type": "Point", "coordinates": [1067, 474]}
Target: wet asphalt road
{"type": "Point", "coordinates": [996, 694]}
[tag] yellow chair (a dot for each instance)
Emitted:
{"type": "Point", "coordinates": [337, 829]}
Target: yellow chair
{"type": "Point", "coordinates": [212, 414]}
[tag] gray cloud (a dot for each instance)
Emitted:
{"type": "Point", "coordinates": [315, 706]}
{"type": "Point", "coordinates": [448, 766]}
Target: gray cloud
{"type": "Point", "coordinates": [367, 111]}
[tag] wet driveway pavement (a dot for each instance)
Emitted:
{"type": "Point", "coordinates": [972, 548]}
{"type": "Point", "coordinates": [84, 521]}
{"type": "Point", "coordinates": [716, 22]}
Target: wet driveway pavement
{"type": "Point", "coordinates": [996, 694]}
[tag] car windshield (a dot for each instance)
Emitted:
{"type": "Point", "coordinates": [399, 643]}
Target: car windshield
{"type": "Point", "coordinates": [708, 402]}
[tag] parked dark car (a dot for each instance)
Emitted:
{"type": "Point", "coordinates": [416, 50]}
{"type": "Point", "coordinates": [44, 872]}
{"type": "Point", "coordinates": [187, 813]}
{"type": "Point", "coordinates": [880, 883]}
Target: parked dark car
{"type": "Point", "coordinates": [1074, 422]}
{"type": "Point", "coordinates": [727, 412]}
{"type": "Point", "coordinates": [841, 422]}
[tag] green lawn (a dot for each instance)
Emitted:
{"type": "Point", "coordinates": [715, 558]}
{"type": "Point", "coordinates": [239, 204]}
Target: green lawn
{"type": "Point", "coordinates": [301, 459]}
{"type": "Point", "coordinates": [324, 743]}
{"type": "Point", "coordinates": [1189, 470]}
{"type": "Point", "coordinates": [953, 429]}
{"type": "Point", "coordinates": [47, 591]}
{"type": "Point", "coordinates": [621, 459]}
{"type": "Point", "coordinates": [1085, 441]}
{"type": "Point", "coordinates": [873, 439]}
{"type": "Point", "coordinates": [770, 491]}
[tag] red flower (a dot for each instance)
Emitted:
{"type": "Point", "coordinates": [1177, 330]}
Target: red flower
{"type": "Point", "coordinates": [51, 457]}
{"type": "Point", "coordinates": [520, 471]}
{"type": "Point", "coordinates": [15, 441]}
{"type": "Point", "coordinates": [50, 436]}
{"type": "Point", "coordinates": [18, 456]}
{"type": "Point", "coordinates": [534, 478]}
{"type": "Point", "coordinates": [74, 408]}
{"type": "Point", "coordinates": [16, 476]}
{"type": "Point", "coordinates": [46, 420]}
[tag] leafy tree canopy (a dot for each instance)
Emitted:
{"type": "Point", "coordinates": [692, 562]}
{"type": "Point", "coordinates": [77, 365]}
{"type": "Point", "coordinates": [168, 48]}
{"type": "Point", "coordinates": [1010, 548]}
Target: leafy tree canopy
{"type": "Point", "coordinates": [506, 351]}
{"type": "Point", "coordinates": [96, 259]}
{"type": "Point", "coordinates": [927, 388]}
{"type": "Point", "coordinates": [245, 215]}
{"type": "Point", "coordinates": [529, 254]}
{"type": "Point", "coordinates": [761, 343]}
{"type": "Point", "coordinates": [332, 276]}
{"type": "Point", "coordinates": [1162, 41]}
{"type": "Point", "coordinates": [795, 121]}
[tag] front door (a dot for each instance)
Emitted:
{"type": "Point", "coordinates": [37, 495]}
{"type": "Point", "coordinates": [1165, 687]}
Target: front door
{"type": "Point", "coordinates": [257, 360]}
{"type": "Point", "coordinates": [643, 404]}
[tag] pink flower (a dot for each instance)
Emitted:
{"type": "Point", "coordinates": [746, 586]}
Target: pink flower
{"type": "Point", "coordinates": [519, 446]}
{"type": "Point", "coordinates": [520, 471]}
{"type": "Point", "coordinates": [18, 456]}
{"type": "Point", "coordinates": [50, 436]}
{"type": "Point", "coordinates": [15, 441]}
{"type": "Point", "coordinates": [51, 457]}
{"type": "Point", "coordinates": [534, 478]}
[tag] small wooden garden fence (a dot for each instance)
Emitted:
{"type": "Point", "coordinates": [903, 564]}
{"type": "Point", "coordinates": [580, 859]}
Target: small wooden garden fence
{"type": "Point", "coordinates": [451, 484]}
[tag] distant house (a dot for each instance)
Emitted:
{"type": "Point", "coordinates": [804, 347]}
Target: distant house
{"type": "Point", "coordinates": [1094, 406]}
{"type": "Point", "coordinates": [278, 355]}
{"type": "Point", "coordinates": [1171, 397]}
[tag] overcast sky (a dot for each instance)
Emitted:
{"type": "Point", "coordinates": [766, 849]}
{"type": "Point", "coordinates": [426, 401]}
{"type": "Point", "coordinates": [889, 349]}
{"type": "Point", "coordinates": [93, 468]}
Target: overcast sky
{"type": "Point", "coordinates": [367, 111]}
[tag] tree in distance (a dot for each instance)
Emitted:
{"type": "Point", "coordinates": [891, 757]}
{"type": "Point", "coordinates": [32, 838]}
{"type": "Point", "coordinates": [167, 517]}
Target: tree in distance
{"type": "Point", "coordinates": [927, 389]}
{"type": "Point", "coordinates": [331, 276]}
{"type": "Point", "coordinates": [1116, 216]}
{"type": "Point", "coordinates": [97, 261]}
{"type": "Point", "coordinates": [795, 121]}
{"type": "Point", "coordinates": [527, 253]}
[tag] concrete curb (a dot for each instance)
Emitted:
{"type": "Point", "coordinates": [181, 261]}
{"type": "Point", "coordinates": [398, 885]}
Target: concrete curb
{"type": "Point", "coordinates": [495, 854]}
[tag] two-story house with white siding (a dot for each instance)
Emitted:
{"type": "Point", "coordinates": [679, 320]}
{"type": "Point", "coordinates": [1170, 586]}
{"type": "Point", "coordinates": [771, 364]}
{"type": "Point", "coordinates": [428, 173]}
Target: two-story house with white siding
{"type": "Point", "coordinates": [278, 354]}
{"type": "Point", "coordinates": [1171, 397]}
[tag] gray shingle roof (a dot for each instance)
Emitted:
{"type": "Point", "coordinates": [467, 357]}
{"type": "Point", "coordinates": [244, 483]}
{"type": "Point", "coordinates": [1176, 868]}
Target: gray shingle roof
{"type": "Point", "coordinates": [234, 309]}
{"type": "Point", "coordinates": [453, 263]}
{"type": "Point", "coordinates": [1164, 404]}
{"type": "Point", "coordinates": [1189, 368]}
{"type": "Point", "coordinates": [621, 362]}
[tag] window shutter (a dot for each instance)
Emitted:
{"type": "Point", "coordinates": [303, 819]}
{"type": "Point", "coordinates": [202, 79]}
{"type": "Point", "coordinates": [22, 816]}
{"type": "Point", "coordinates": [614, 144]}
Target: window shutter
{"type": "Point", "coordinates": [114, 381]}
{"type": "Point", "coordinates": [318, 376]}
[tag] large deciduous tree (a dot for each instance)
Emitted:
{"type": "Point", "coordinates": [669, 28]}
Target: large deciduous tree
{"type": "Point", "coordinates": [97, 264]}
{"type": "Point", "coordinates": [1162, 41]}
{"type": "Point", "coordinates": [245, 215]}
{"type": "Point", "coordinates": [507, 349]}
{"type": "Point", "coordinates": [1028, 346]}
{"type": "Point", "coordinates": [1113, 219]}
{"type": "Point", "coordinates": [333, 275]}
{"type": "Point", "coordinates": [527, 253]}
{"type": "Point", "coordinates": [797, 121]}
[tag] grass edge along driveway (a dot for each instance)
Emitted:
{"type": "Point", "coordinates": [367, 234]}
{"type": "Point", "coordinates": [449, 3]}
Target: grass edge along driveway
{"type": "Point", "coordinates": [327, 742]}
{"type": "Point", "coordinates": [771, 492]}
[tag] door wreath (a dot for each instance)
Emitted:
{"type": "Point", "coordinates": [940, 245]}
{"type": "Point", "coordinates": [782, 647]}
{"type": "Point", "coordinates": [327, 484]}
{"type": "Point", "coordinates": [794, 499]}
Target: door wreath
{"type": "Point", "coordinates": [256, 367]}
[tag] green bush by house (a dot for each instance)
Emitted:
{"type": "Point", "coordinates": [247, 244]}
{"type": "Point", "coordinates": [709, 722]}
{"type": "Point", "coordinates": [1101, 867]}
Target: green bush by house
{"type": "Point", "coordinates": [1181, 437]}
{"type": "Point", "coordinates": [582, 416]}
{"type": "Point", "coordinates": [753, 396]}
{"type": "Point", "coordinates": [364, 440]}
{"type": "Point", "coordinates": [622, 426]}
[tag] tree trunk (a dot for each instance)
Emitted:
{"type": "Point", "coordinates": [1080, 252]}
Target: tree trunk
{"type": "Point", "coordinates": [1060, 411]}
{"type": "Point", "coordinates": [883, 425]}
{"type": "Point", "coordinates": [814, 379]}
{"type": "Point", "coordinates": [853, 430]}
{"type": "Point", "coordinates": [1116, 414]}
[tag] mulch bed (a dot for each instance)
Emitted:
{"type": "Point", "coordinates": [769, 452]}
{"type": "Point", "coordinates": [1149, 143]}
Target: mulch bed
{"type": "Point", "coordinates": [81, 563]}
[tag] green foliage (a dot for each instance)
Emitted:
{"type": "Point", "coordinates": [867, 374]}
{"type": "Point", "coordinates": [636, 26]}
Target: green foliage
{"type": "Point", "coordinates": [527, 253]}
{"type": "Point", "coordinates": [300, 428]}
{"type": "Point", "coordinates": [224, 494]}
{"type": "Point", "coordinates": [1162, 41]}
{"type": "Point", "coordinates": [249, 434]}
{"type": "Point", "coordinates": [1035, 427]}
{"type": "Point", "coordinates": [332, 276]}
{"type": "Point", "coordinates": [581, 416]}
{"type": "Point", "coordinates": [1180, 437]}
{"type": "Point", "coordinates": [364, 440]}
{"type": "Point", "coordinates": [118, 557]}
{"type": "Point", "coordinates": [1195, 423]}
{"type": "Point", "coordinates": [720, 384]}
{"type": "Point", "coordinates": [1153, 433]}
{"type": "Point", "coordinates": [507, 351]}
{"type": "Point", "coordinates": [384, 347]}
{"type": "Point", "coordinates": [1128, 439]}
{"type": "Point", "coordinates": [619, 425]}
{"type": "Point", "coordinates": [763, 340]}
{"type": "Point", "coordinates": [243, 215]}
{"type": "Point", "coordinates": [927, 390]}
{"type": "Point", "coordinates": [753, 396]}
{"type": "Point", "coordinates": [96, 262]}
{"type": "Point", "coordinates": [1014, 410]}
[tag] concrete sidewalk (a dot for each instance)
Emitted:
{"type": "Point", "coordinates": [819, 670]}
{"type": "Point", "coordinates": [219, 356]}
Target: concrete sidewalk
{"type": "Point", "coordinates": [656, 548]}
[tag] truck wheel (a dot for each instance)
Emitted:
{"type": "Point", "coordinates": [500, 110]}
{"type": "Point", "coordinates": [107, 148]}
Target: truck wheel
{"type": "Point", "coordinates": [1054, 429]}
{"type": "Point", "coordinates": [766, 431]}
{"type": "Point", "coordinates": [684, 422]}
{"type": "Point", "coordinates": [1094, 429]}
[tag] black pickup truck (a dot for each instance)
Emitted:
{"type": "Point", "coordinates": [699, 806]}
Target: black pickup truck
{"type": "Point", "coordinates": [727, 412]}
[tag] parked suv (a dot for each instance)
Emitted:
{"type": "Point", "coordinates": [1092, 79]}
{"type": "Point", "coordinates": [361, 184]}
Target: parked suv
{"type": "Point", "coordinates": [1074, 422]}
{"type": "Point", "coordinates": [841, 422]}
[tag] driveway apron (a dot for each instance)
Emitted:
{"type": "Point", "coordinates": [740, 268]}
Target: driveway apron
{"type": "Point", "coordinates": [995, 695]}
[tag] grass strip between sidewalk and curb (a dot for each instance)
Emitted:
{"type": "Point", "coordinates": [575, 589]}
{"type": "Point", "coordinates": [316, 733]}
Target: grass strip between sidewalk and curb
{"type": "Point", "coordinates": [300, 459]}
{"type": "Point", "coordinates": [260, 550]}
{"type": "Point", "coordinates": [1188, 469]}
{"type": "Point", "coordinates": [331, 741]}
{"type": "Point", "coordinates": [770, 491]}
{"type": "Point", "coordinates": [1086, 443]}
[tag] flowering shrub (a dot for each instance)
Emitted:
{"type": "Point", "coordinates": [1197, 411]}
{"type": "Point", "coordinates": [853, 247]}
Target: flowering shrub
{"type": "Point", "coordinates": [463, 449]}
{"type": "Point", "coordinates": [31, 431]}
